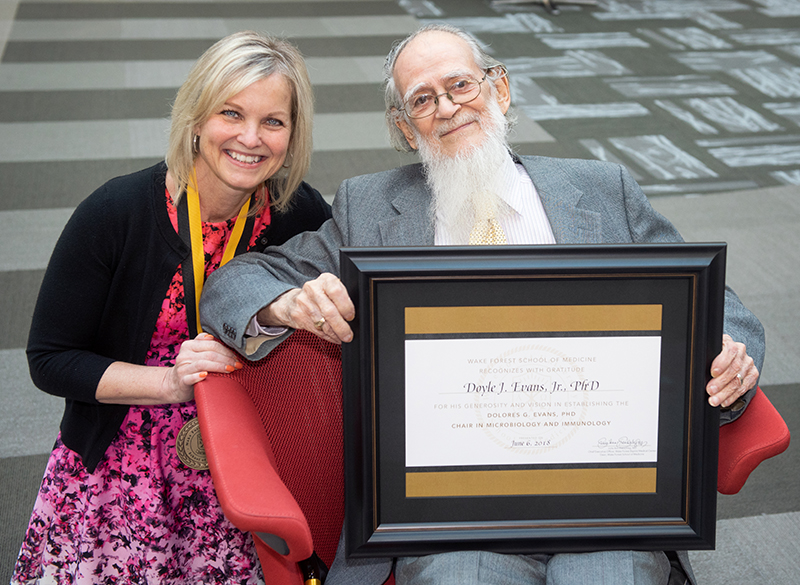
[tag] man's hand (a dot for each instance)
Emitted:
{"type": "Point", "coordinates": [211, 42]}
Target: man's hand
{"type": "Point", "coordinates": [322, 306]}
{"type": "Point", "coordinates": [733, 373]}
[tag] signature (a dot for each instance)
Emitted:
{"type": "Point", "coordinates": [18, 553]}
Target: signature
{"type": "Point", "coordinates": [621, 443]}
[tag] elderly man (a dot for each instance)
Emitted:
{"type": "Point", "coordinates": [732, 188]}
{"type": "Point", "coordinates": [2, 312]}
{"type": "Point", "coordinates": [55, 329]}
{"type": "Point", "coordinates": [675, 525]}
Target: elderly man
{"type": "Point", "coordinates": [448, 100]}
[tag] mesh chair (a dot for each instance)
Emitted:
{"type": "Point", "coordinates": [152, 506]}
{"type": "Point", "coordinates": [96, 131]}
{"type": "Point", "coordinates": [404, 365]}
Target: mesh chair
{"type": "Point", "coordinates": [273, 435]}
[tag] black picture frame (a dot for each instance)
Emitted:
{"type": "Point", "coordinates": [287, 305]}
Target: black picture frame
{"type": "Point", "coordinates": [686, 279]}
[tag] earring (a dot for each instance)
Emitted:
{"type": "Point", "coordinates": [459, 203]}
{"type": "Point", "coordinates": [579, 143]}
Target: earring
{"type": "Point", "coordinates": [196, 144]}
{"type": "Point", "coordinates": [285, 165]}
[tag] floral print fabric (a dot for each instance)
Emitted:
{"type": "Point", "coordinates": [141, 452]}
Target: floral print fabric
{"type": "Point", "coordinates": [142, 517]}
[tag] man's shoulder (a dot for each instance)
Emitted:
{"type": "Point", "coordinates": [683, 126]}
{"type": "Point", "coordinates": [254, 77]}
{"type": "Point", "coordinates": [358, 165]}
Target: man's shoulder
{"type": "Point", "coordinates": [577, 171]}
{"type": "Point", "coordinates": [575, 164]}
{"type": "Point", "coordinates": [396, 176]}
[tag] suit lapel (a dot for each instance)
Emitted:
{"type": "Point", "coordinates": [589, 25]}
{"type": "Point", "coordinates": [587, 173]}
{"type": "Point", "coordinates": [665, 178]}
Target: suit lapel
{"type": "Point", "coordinates": [412, 226]}
{"type": "Point", "coordinates": [571, 224]}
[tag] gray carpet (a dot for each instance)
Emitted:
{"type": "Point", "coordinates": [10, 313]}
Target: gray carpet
{"type": "Point", "coordinates": [758, 529]}
{"type": "Point", "coordinates": [19, 481]}
{"type": "Point", "coordinates": [760, 549]}
{"type": "Point", "coordinates": [699, 98]}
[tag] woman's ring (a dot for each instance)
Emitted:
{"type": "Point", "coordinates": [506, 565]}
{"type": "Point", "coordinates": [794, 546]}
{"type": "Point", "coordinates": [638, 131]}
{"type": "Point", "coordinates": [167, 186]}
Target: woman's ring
{"type": "Point", "coordinates": [321, 322]}
{"type": "Point", "coordinates": [739, 376]}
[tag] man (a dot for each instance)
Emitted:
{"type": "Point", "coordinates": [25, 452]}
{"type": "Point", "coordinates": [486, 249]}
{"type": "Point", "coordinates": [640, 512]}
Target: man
{"type": "Point", "coordinates": [447, 100]}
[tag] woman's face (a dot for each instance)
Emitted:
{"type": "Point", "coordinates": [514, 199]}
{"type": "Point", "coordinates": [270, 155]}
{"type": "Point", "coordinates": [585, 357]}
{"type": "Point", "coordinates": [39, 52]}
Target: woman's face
{"type": "Point", "coordinates": [246, 140]}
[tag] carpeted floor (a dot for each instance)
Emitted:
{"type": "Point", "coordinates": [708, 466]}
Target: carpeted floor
{"type": "Point", "coordinates": [699, 98]}
{"type": "Point", "coordinates": [19, 481]}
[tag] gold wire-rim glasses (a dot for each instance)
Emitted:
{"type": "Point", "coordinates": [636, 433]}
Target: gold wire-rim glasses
{"type": "Point", "coordinates": [458, 95]}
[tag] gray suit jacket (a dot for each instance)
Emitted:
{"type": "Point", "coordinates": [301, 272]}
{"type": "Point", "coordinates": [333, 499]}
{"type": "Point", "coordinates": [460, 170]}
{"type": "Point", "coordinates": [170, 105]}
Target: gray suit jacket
{"type": "Point", "coordinates": [585, 201]}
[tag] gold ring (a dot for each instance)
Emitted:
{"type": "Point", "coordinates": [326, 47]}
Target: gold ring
{"type": "Point", "coordinates": [320, 323]}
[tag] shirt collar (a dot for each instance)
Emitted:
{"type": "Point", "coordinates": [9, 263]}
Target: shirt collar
{"type": "Point", "coordinates": [514, 179]}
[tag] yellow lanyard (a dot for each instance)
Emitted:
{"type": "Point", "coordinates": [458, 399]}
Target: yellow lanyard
{"type": "Point", "coordinates": [196, 237]}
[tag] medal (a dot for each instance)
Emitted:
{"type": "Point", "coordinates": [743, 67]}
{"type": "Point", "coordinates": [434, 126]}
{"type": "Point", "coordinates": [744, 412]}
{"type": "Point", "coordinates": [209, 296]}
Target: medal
{"type": "Point", "coordinates": [189, 446]}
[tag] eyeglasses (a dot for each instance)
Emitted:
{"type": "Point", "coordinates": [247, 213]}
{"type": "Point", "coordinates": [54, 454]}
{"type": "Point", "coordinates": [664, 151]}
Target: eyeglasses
{"type": "Point", "coordinates": [461, 90]}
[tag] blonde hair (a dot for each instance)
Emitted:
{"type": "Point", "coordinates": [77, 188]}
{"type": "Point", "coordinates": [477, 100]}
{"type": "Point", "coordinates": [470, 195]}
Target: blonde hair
{"type": "Point", "coordinates": [225, 69]}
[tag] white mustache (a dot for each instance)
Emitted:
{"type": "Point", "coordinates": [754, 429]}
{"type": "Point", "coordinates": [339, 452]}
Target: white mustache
{"type": "Point", "coordinates": [454, 123]}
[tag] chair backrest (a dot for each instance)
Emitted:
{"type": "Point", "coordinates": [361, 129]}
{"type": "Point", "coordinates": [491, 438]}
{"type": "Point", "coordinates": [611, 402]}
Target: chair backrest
{"type": "Point", "coordinates": [760, 433]}
{"type": "Point", "coordinates": [297, 391]}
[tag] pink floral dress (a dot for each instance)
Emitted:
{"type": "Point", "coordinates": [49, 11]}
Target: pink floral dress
{"type": "Point", "coordinates": [142, 517]}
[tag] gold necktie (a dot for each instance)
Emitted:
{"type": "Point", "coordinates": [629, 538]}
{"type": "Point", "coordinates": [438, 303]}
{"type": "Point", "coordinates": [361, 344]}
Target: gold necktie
{"type": "Point", "coordinates": [487, 231]}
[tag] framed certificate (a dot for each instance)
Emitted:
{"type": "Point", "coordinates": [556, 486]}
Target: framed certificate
{"type": "Point", "coordinates": [531, 399]}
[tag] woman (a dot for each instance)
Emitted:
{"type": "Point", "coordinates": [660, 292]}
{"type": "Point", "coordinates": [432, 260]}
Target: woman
{"type": "Point", "coordinates": [115, 329]}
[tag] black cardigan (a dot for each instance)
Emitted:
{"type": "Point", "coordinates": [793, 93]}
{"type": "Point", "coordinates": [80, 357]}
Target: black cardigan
{"type": "Point", "coordinates": [103, 290]}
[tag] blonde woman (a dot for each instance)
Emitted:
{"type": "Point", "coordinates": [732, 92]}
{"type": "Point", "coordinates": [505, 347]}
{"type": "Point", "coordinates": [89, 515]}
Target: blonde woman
{"type": "Point", "coordinates": [116, 333]}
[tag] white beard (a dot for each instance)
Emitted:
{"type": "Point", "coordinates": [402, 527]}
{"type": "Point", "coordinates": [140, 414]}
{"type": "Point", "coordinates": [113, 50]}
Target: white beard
{"type": "Point", "coordinates": [470, 179]}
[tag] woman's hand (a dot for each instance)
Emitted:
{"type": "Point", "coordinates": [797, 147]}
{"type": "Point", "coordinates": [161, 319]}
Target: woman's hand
{"type": "Point", "coordinates": [196, 358]}
{"type": "Point", "coordinates": [124, 383]}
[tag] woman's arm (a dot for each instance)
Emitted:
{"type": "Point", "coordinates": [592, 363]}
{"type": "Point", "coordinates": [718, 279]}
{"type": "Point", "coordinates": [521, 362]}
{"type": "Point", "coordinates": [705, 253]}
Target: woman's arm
{"type": "Point", "coordinates": [124, 383]}
{"type": "Point", "coordinates": [99, 300]}
{"type": "Point", "coordinates": [61, 350]}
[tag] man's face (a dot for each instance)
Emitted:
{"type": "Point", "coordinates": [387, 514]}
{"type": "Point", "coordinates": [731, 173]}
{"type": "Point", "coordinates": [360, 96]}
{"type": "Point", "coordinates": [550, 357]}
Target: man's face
{"type": "Point", "coordinates": [429, 63]}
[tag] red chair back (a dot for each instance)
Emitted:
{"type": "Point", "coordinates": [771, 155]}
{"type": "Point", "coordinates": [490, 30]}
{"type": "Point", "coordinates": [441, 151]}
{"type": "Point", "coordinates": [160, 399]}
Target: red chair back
{"type": "Point", "coordinates": [760, 433]}
{"type": "Point", "coordinates": [297, 392]}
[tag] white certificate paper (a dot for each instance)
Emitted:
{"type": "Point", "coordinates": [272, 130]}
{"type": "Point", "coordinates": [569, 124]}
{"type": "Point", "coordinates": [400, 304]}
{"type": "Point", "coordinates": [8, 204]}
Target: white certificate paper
{"type": "Point", "coordinates": [544, 400]}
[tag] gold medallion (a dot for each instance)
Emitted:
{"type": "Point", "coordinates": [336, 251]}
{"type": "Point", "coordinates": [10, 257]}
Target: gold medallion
{"type": "Point", "coordinates": [189, 445]}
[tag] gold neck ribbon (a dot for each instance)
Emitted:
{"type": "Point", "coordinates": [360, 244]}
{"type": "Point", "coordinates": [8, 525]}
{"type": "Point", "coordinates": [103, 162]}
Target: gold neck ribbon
{"type": "Point", "coordinates": [196, 237]}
